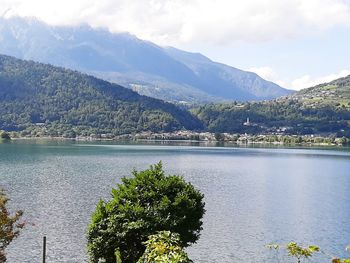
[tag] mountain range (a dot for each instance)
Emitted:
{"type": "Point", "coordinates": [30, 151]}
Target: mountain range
{"type": "Point", "coordinates": [60, 102]}
{"type": "Point", "coordinates": [43, 100]}
{"type": "Point", "coordinates": [166, 73]}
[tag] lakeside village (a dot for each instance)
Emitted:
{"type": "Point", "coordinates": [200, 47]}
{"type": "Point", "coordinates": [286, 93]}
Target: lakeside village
{"type": "Point", "coordinates": [276, 136]}
{"type": "Point", "coordinates": [234, 138]}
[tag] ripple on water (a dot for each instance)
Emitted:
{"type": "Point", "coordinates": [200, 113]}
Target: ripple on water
{"type": "Point", "coordinates": [253, 196]}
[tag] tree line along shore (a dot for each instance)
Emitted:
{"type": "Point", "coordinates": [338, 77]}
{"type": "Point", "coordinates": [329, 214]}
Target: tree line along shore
{"type": "Point", "coordinates": [190, 136]}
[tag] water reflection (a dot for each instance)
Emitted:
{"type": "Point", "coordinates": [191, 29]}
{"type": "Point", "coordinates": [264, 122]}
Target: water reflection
{"type": "Point", "coordinates": [253, 196]}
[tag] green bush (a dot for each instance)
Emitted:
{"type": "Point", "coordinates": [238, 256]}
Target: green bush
{"type": "Point", "coordinates": [141, 206]}
{"type": "Point", "coordinates": [164, 247]}
{"type": "Point", "coordinates": [9, 225]}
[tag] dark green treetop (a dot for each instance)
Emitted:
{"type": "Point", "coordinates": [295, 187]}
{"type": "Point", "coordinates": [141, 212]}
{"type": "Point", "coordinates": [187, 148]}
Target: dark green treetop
{"type": "Point", "coordinates": [148, 202]}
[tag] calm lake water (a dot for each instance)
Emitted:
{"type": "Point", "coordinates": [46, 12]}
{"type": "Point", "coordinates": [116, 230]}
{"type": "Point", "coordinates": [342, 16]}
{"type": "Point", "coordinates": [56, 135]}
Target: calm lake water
{"type": "Point", "coordinates": [254, 196]}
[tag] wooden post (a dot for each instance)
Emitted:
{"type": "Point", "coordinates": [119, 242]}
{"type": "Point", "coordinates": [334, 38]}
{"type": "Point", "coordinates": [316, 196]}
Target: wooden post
{"type": "Point", "coordinates": [44, 249]}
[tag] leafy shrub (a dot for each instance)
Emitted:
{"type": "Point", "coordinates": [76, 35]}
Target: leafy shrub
{"type": "Point", "coordinates": [164, 247]}
{"type": "Point", "coordinates": [141, 206]}
{"type": "Point", "coordinates": [9, 225]}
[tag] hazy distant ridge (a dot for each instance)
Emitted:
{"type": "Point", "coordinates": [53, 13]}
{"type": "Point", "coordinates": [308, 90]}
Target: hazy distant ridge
{"type": "Point", "coordinates": [164, 73]}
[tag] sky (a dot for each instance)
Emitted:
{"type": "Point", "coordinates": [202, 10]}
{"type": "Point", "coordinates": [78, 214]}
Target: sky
{"type": "Point", "coordinates": [295, 43]}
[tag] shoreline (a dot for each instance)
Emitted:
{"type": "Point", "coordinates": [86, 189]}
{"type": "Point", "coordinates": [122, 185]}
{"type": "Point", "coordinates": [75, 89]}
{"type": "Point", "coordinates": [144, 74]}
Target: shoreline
{"type": "Point", "coordinates": [207, 138]}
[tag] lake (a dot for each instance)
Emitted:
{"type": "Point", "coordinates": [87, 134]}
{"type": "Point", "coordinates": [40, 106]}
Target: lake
{"type": "Point", "coordinates": [254, 196]}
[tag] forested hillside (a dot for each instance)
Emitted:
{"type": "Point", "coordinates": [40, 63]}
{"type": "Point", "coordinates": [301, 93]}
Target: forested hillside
{"type": "Point", "coordinates": [61, 102]}
{"type": "Point", "coordinates": [323, 109]}
{"type": "Point", "coordinates": [39, 100]}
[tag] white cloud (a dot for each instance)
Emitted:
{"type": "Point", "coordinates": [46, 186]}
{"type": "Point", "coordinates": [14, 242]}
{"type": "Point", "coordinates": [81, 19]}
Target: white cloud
{"type": "Point", "coordinates": [303, 82]}
{"type": "Point", "coordinates": [308, 81]}
{"type": "Point", "coordinates": [176, 21]}
{"type": "Point", "coordinates": [269, 74]}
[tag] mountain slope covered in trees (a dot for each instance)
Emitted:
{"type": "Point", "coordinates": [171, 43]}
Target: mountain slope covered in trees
{"type": "Point", "coordinates": [59, 102]}
{"type": "Point", "coordinates": [165, 73]}
{"type": "Point", "coordinates": [66, 102]}
{"type": "Point", "coordinates": [323, 109]}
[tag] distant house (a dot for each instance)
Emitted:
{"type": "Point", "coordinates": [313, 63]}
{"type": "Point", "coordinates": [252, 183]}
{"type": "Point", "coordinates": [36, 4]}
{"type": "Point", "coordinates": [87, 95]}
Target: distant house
{"type": "Point", "coordinates": [39, 124]}
{"type": "Point", "coordinates": [247, 123]}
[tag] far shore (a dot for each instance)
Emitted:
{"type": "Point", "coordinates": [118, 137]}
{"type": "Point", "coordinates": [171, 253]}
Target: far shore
{"type": "Point", "coordinates": [204, 138]}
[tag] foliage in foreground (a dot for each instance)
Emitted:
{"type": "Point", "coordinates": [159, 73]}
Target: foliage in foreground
{"type": "Point", "coordinates": [298, 252]}
{"type": "Point", "coordinates": [141, 206]}
{"type": "Point", "coordinates": [9, 225]}
{"type": "Point", "coordinates": [164, 247]}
